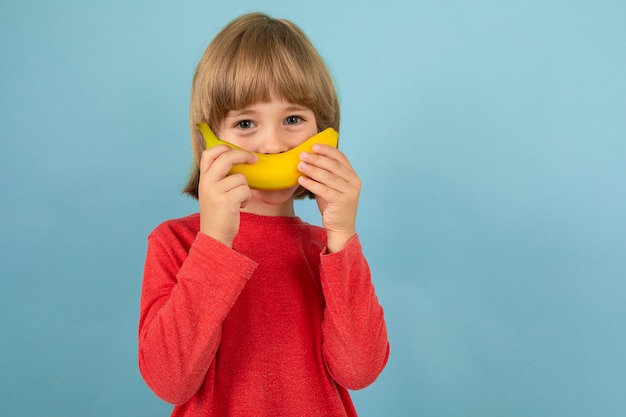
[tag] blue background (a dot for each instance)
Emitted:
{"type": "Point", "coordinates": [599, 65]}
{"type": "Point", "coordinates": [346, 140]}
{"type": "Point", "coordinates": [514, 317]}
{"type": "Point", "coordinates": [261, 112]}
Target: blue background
{"type": "Point", "coordinates": [491, 140]}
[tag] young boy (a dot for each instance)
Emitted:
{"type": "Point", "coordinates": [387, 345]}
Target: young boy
{"type": "Point", "coordinates": [246, 310]}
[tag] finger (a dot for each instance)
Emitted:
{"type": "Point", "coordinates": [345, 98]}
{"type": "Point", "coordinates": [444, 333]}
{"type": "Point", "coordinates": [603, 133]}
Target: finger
{"type": "Point", "coordinates": [335, 163]}
{"type": "Point", "coordinates": [322, 176]}
{"type": "Point", "coordinates": [219, 162]}
{"type": "Point", "coordinates": [228, 184]}
{"type": "Point", "coordinates": [332, 153]}
{"type": "Point", "coordinates": [210, 155]}
{"type": "Point", "coordinates": [337, 177]}
{"type": "Point", "coordinates": [229, 193]}
{"type": "Point", "coordinates": [239, 193]}
{"type": "Point", "coordinates": [317, 188]}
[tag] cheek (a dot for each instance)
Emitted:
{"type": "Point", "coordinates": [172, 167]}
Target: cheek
{"type": "Point", "coordinates": [306, 135]}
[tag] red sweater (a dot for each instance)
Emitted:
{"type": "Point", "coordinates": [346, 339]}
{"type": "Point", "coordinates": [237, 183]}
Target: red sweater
{"type": "Point", "coordinates": [273, 327]}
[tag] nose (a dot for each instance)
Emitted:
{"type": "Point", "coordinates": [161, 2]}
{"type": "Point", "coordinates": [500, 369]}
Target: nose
{"type": "Point", "coordinates": [273, 141]}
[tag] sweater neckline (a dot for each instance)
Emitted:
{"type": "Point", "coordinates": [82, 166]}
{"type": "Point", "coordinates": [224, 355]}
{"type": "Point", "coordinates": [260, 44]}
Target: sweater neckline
{"type": "Point", "coordinates": [270, 220]}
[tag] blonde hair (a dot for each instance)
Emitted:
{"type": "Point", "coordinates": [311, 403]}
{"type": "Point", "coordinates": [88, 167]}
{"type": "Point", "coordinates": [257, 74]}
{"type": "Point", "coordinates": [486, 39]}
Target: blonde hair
{"type": "Point", "coordinates": [251, 57]}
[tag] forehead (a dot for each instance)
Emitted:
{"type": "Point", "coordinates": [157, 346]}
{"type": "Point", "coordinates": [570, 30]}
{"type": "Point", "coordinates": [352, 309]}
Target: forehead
{"type": "Point", "coordinates": [277, 107]}
{"type": "Point", "coordinates": [259, 97]}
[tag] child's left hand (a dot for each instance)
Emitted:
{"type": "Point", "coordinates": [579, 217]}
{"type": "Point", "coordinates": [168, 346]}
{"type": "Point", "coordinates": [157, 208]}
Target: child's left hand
{"type": "Point", "coordinates": [329, 175]}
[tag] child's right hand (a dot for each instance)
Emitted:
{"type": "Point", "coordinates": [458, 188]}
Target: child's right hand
{"type": "Point", "coordinates": [222, 196]}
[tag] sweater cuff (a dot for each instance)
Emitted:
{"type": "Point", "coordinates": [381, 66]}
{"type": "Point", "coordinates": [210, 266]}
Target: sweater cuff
{"type": "Point", "coordinates": [352, 248]}
{"type": "Point", "coordinates": [214, 252]}
{"type": "Point", "coordinates": [216, 267]}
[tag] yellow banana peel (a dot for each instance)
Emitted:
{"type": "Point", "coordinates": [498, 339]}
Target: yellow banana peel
{"type": "Point", "coordinates": [273, 171]}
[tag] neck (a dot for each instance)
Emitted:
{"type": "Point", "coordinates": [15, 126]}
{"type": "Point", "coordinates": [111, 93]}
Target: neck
{"type": "Point", "coordinates": [270, 204]}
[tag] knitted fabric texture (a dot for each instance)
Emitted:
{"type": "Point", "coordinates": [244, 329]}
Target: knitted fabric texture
{"type": "Point", "coordinates": [274, 326]}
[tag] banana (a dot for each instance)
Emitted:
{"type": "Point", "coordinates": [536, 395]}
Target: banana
{"type": "Point", "coordinates": [273, 171]}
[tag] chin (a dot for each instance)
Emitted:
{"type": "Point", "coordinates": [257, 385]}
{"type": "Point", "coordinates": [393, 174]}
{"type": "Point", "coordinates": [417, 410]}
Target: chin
{"type": "Point", "coordinates": [274, 197]}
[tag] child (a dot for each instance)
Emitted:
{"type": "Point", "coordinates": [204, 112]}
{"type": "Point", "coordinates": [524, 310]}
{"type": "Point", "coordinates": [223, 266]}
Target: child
{"type": "Point", "coordinates": [246, 310]}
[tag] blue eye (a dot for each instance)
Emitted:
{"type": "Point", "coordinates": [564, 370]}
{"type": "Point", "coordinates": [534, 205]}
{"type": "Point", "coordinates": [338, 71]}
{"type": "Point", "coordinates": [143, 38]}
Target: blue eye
{"type": "Point", "coordinates": [244, 124]}
{"type": "Point", "coordinates": [293, 120]}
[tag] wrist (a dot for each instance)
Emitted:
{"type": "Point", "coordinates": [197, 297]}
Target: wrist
{"type": "Point", "coordinates": [336, 241]}
{"type": "Point", "coordinates": [215, 235]}
{"type": "Point", "coordinates": [225, 242]}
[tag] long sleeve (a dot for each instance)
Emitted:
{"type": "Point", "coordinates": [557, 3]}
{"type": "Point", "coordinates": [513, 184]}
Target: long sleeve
{"type": "Point", "coordinates": [355, 344]}
{"type": "Point", "coordinates": [272, 327]}
{"type": "Point", "coordinates": [187, 292]}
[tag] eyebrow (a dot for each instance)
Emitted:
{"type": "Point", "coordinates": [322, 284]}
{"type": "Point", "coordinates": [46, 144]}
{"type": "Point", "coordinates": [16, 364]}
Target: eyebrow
{"type": "Point", "coordinates": [239, 113]}
{"type": "Point", "coordinates": [297, 108]}
{"type": "Point", "coordinates": [248, 111]}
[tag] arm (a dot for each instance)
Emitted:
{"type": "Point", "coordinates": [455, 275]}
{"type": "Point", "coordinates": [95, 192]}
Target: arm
{"type": "Point", "coordinates": [185, 297]}
{"type": "Point", "coordinates": [355, 336]}
{"type": "Point", "coordinates": [184, 301]}
{"type": "Point", "coordinates": [355, 347]}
